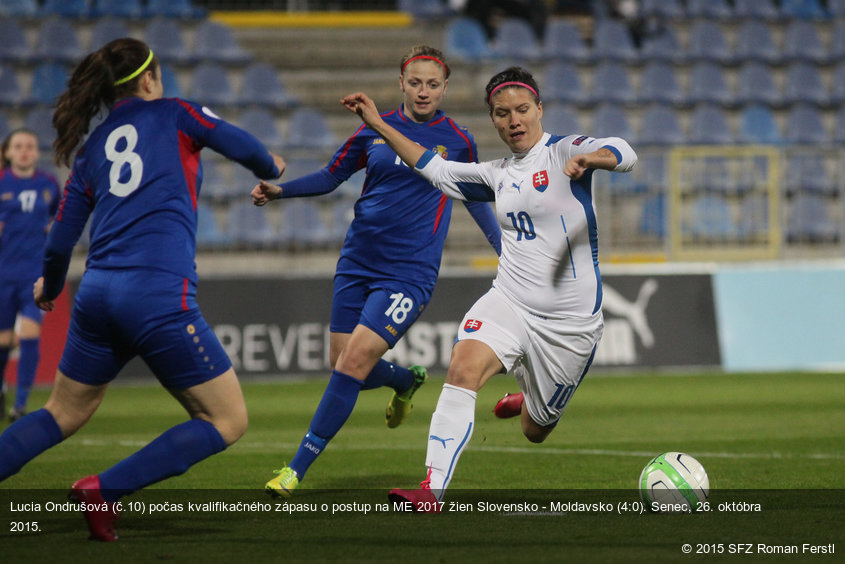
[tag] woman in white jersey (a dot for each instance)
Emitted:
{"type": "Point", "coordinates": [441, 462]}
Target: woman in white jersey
{"type": "Point", "coordinates": [542, 318]}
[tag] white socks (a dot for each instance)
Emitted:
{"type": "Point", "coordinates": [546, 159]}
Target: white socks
{"type": "Point", "coordinates": [449, 433]}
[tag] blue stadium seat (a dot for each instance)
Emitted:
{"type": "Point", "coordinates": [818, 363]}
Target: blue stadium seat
{"type": "Point", "coordinates": [49, 79]}
{"type": "Point", "coordinates": [709, 126]}
{"type": "Point", "coordinates": [10, 88]}
{"type": "Point", "coordinates": [755, 43]}
{"type": "Point", "coordinates": [13, 44]}
{"type": "Point", "coordinates": [612, 41]}
{"type": "Point", "coordinates": [303, 224]}
{"type": "Point", "coordinates": [564, 41]}
{"type": "Point", "coordinates": [263, 87]}
{"type": "Point", "coordinates": [58, 41]}
{"type": "Point", "coordinates": [802, 43]}
{"type": "Point", "coordinates": [809, 220]}
{"type": "Point", "coordinates": [183, 9]}
{"type": "Point", "coordinates": [562, 83]}
{"type": "Point", "coordinates": [662, 9]}
{"type": "Point", "coordinates": [516, 39]}
{"type": "Point", "coordinates": [837, 44]}
{"type": "Point", "coordinates": [837, 88]}
{"type": "Point", "coordinates": [804, 126]}
{"type": "Point", "coordinates": [804, 84]}
{"type": "Point", "coordinates": [117, 8]}
{"type": "Point", "coordinates": [559, 119]}
{"type": "Point", "coordinates": [466, 40]}
{"type": "Point", "coordinates": [249, 226]}
{"type": "Point", "coordinates": [659, 83]}
{"type": "Point", "coordinates": [107, 29]}
{"type": "Point", "coordinates": [757, 124]}
{"type": "Point", "coordinates": [67, 8]}
{"type": "Point", "coordinates": [707, 83]}
{"type": "Point", "coordinates": [836, 8]}
{"type": "Point", "coordinates": [707, 42]}
{"type": "Point", "coordinates": [711, 220]}
{"type": "Point", "coordinates": [653, 216]}
{"type": "Point", "coordinates": [40, 120]}
{"type": "Point", "coordinates": [661, 126]}
{"type": "Point", "coordinates": [215, 185]}
{"type": "Point", "coordinates": [261, 123]}
{"type": "Point", "coordinates": [716, 9]}
{"type": "Point", "coordinates": [610, 120]}
{"type": "Point", "coordinates": [210, 85]}
{"type": "Point", "coordinates": [18, 8]}
{"type": "Point", "coordinates": [662, 46]}
{"type": "Point", "coordinates": [216, 42]}
{"type": "Point", "coordinates": [611, 83]}
{"type": "Point", "coordinates": [806, 173]}
{"type": "Point", "coordinates": [172, 86]}
{"type": "Point", "coordinates": [839, 135]}
{"type": "Point", "coordinates": [756, 85]}
{"type": "Point", "coordinates": [802, 9]}
{"type": "Point", "coordinates": [209, 234]}
{"type": "Point", "coordinates": [308, 129]}
{"type": "Point", "coordinates": [756, 10]}
{"type": "Point", "coordinates": [165, 38]}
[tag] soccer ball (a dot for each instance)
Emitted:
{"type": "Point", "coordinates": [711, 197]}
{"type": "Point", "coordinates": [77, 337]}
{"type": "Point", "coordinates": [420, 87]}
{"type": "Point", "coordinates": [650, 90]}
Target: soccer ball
{"type": "Point", "coordinates": [674, 482]}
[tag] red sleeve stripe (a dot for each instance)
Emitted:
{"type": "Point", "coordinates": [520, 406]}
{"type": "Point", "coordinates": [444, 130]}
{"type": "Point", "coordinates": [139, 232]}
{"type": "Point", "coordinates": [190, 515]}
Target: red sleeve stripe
{"type": "Point", "coordinates": [346, 146]}
{"type": "Point", "coordinates": [439, 216]}
{"type": "Point", "coordinates": [196, 116]}
{"type": "Point", "coordinates": [472, 157]}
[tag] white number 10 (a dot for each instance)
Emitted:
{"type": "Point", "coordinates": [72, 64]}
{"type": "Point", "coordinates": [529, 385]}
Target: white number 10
{"type": "Point", "coordinates": [126, 156]}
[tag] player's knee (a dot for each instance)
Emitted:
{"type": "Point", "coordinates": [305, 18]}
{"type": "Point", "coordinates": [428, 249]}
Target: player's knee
{"type": "Point", "coordinates": [232, 427]}
{"type": "Point", "coordinates": [536, 433]}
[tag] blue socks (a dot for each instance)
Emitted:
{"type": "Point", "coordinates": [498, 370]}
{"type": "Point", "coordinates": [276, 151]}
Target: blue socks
{"type": "Point", "coordinates": [388, 374]}
{"type": "Point", "coordinates": [334, 409]}
{"type": "Point", "coordinates": [27, 366]}
{"type": "Point", "coordinates": [25, 439]}
{"type": "Point", "coordinates": [171, 454]}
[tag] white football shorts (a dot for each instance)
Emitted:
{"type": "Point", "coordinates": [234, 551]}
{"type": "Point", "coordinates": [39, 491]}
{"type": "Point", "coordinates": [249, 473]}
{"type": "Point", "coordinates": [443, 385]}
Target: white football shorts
{"type": "Point", "coordinates": [548, 357]}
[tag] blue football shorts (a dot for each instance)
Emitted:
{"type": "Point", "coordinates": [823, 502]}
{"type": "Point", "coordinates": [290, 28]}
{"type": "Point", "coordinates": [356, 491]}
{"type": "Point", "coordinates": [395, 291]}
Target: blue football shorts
{"type": "Point", "coordinates": [16, 297]}
{"type": "Point", "coordinates": [120, 314]}
{"type": "Point", "coordinates": [388, 307]}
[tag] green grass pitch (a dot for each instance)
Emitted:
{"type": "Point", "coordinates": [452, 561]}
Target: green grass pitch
{"type": "Point", "coordinates": [777, 440]}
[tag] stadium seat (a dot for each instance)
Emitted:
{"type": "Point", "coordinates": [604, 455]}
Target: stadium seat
{"type": "Point", "coordinates": [802, 43]}
{"type": "Point", "coordinates": [755, 43]}
{"type": "Point", "coordinates": [560, 120]}
{"type": "Point", "coordinates": [215, 184]}
{"type": "Point", "coordinates": [117, 8]}
{"type": "Point", "coordinates": [302, 224]}
{"type": "Point", "coordinates": [183, 9]}
{"type": "Point", "coordinates": [610, 120]}
{"type": "Point", "coordinates": [710, 219]}
{"type": "Point", "coordinates": [18, 8]}
{"type": "Point", "coordinates": [308, 129]}
{"type": "Point", "coordinates": [837, 87]}
{"type": "Point", "coordinates": [13, 44]}
{"type": "Point", "coordinates": [165, 38]}
{"type": "Point", "coordinates": [210, 85]}
{"type": "Point", "coordinates": [58, 41]}
{"type": "Point", "coordinates": [612, 41]}
{"type": "Point", "coordinates": [662, 9]}
{"type": "Point", "coordinates": [209, 234]}
{"type": "Point", "coordinates": [806, 173]}
{"type": "Point", "coordinates": [661, 126]}
{"type": "Point", "coordinates": [757, 124]}
{"type": "Point", "coordinates": [809, 220]}
{"type": "Point", "coordinates": [248, 225]}
{"type": "Point", "coordinates": [756, 85]}
{"type": "Point", "coordinates": [261, 123]}
{"type": "Point", "coordinates": [662, 46]}
{"type": "Point", "coordinates": [10, 88]}
{"type": "Point", "coordinates": [653, 216]}
{"type": "Point", "coordinates": [716, 9]}
{"type": "Point", "coordinates": [515, 39]}
{"type": "Point", "coordinates": [839, 135]}
{"type": "Point", "coordinates": [67, 8]}
{"type": "Point", "coordinates": [343, 212]}
{"type": "Point", "coordinates": [40, 120]}
{"type": "Point", "coordinates": [49, 79]}
{"type": "Point", "coordinates": [659, 83]}
{"type": "Point", "coordinates": [562, 83]}
{"type": "Point", "coordinates": [804, 126]}
{"type": "Point", "coordinates": [802, 9]}
{"type": "Point", "coordinates": [466, 41]}
{"type": "Point", "coordinates": [709, 126]}
{"type": "Point", "coordinates": [215, 42]}
{"type": "Point", "coordinates": [837, 44]}
{"type": "Point", "coordinates": [707, 83]}
{"type": "Point", "coordinates": [836, 8]}
{"type": "Point", "coordinates": [564, 41]}
{"type": "Point", "coordinates": [107, 29]}
{"type": "Point", "coordinates": [707, 43]}
{"type": "Point", "coordinates": [172, 86]}
{"type": "Point", "coordinates": [611, 83]}
{"type": "Point", "coordinates": [756, 10]}
{"type": "Point", "coordinates": [804, 85]}
{"type": "Point", "coordinates": [262, 86]}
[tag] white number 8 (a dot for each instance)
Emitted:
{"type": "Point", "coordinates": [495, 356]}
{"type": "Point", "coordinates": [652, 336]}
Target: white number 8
{"type": "Point", "coordinates": [126, 156]}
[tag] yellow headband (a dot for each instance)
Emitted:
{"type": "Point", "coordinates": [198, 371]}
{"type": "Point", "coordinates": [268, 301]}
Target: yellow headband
{"type": "Point", "coordinates": [137, 72]}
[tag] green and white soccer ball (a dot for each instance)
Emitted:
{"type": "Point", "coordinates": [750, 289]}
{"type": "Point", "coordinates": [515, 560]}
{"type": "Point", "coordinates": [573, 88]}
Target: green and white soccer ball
{"type": "Point", "coordinates": [674, 482]}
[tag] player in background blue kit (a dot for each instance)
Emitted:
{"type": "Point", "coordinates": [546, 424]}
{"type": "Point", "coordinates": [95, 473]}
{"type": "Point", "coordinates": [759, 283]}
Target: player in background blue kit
{"type": "Point", "coordinates": [137, 176]}
{"type": "Point", "coordinates": [28, 201]}
{"type": "Point", "coordinates": [391, 256]}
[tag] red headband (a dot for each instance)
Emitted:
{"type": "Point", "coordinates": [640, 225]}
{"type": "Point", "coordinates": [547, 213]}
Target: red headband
{"type": "Point", "coordinates": [512, 83]}
{"type": "Point", "coordinates": [430, 58]}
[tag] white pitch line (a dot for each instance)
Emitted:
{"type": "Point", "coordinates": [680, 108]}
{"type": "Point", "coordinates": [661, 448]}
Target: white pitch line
{"type": "Point", "coordinates": [275, 447]}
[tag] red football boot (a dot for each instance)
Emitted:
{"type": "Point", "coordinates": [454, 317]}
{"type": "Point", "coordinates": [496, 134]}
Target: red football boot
{"type": "Point", "coordinates": [509, 406]}
{"type": "Point", "coordinates": [99, 513]}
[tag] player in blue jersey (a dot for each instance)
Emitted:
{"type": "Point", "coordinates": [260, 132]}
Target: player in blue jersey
{"type": "Point", "coordinates": [391, 256]}
{"type": "Point", "coordinates": [137, 176]}
{"type": "Point", "coordinates": [28, 201]}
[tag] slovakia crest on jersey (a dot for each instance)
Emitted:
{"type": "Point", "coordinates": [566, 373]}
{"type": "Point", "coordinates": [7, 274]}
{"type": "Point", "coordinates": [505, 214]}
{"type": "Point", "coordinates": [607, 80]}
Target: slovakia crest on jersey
{"type": "Point", "coordinates": [472, 325]}
{"type": "Point", "coordinates": [541, 180]}
{"type": "Point", "coordinates": [442, 151]}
